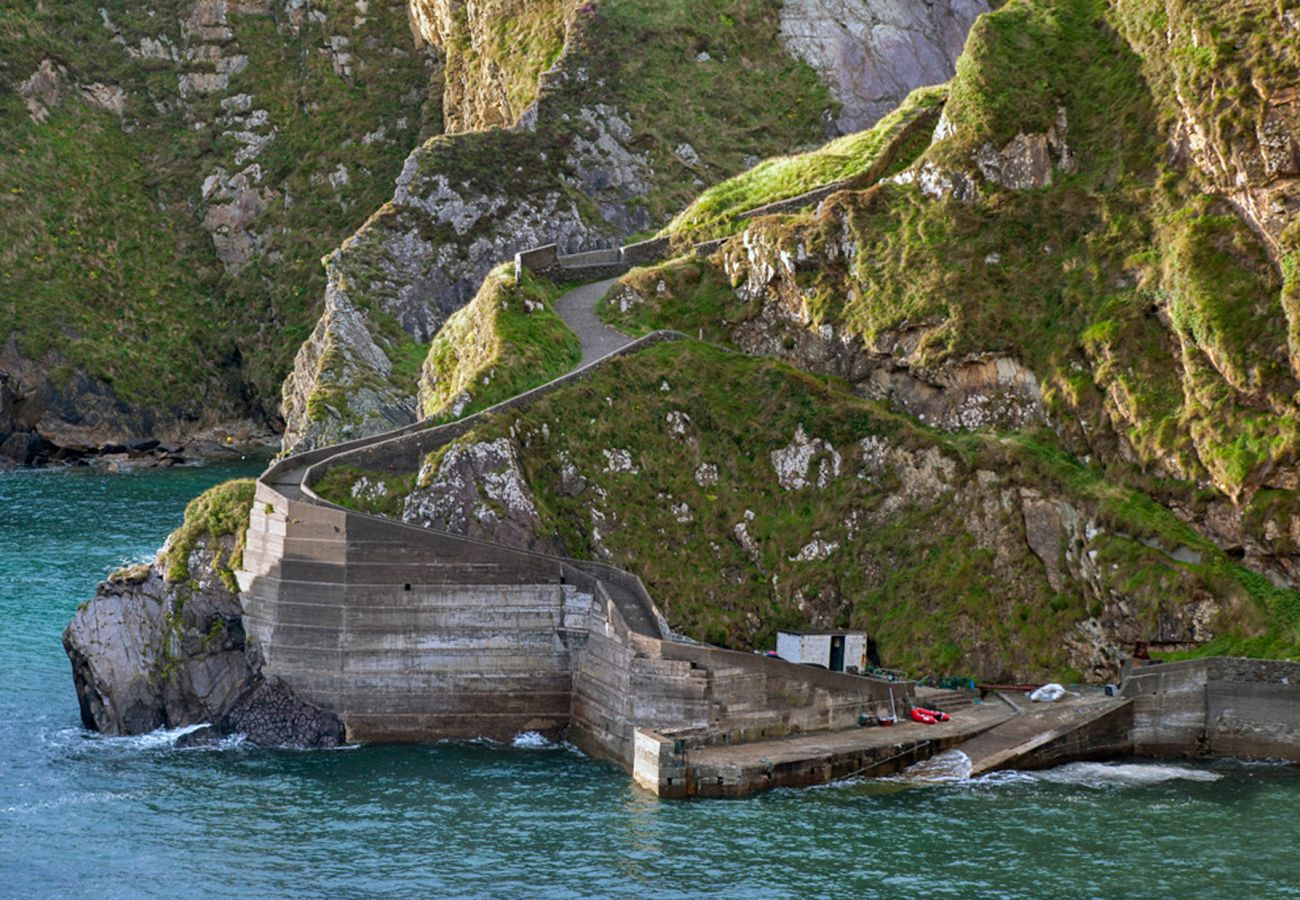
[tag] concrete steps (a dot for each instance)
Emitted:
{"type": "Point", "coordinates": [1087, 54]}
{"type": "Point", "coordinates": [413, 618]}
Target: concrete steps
{"type": "Point", "coordinates": [944, 700]}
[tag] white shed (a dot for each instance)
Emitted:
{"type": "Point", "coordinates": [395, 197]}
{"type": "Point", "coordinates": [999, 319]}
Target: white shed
{"type": "Point", "coordinates": [839, 651]}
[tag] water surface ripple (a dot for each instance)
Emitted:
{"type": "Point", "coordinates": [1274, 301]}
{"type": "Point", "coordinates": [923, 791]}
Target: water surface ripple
{"type": "Point", "coordinates": [83, 816]}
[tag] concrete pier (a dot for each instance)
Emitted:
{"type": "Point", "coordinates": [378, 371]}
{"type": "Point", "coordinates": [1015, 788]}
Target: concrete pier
{"type": "Point", "coordinates": [671, 764]}
{"type": "Point", "coordinates": [1088, 727]}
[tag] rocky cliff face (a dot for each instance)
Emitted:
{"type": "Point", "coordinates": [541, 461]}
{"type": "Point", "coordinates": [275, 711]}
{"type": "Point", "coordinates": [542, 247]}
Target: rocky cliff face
{"type": "Point", "coordinates": [873, 52]}
{"type": "Point", "coordinates": [148, 653]}
{"type": "Point", "coordinates": [162, 645]}
{"type": "Point", "coordinates": [175, 171]}
{"type": "Point", "coordinates": [495, 51]}
{"type": "Point", "coordinates": [478, 490]}
{"type": "Point", "coordinates": [1031, 269]}
{"type": "Point", "coordinates": [599, 108]}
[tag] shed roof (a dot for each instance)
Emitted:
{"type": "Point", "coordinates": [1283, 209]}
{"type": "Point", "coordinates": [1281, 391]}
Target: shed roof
{"type": "Point", "coordinates": [830, 632]}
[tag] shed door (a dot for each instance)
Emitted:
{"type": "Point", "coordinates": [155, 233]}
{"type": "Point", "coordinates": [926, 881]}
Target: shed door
{"type": "Point", "coordinates": [837, 653]}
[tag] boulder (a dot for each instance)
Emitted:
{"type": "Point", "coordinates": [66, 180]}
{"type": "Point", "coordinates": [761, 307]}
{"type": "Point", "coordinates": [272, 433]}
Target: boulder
{"type": "Point", "coordinates": [271, 715]}
{"type": "Point", "coordinates": [150, 653]}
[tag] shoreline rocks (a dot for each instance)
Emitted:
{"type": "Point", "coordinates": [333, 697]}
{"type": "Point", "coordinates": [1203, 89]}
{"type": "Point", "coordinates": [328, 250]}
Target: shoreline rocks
{"type": "Point", "coordinates": [149, 651]}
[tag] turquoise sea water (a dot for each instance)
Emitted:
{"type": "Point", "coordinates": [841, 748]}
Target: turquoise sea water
{"type": "Point", "coordinates": [84, 816]}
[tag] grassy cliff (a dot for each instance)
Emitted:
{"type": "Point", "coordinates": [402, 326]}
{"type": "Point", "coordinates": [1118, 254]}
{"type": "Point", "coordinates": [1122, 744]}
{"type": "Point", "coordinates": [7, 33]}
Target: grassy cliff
{"type": "Point", "coordinates": [220, 511]}
{"type": "Point", "coordinates": [505, 341]}
{"type": "Point", "coordinates": [1149, 310]}
{"type": "Point", "coordinates": [117, 168]}
{"type": "Point", "coordinates": [611, 146]}
{"type": "Point", "coordinates": [754, 496]}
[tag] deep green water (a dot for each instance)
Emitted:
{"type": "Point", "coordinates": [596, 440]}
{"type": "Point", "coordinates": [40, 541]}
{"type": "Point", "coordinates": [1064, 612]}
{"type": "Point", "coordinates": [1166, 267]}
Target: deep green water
{"type": "Point", "coordinates": [82, 815]}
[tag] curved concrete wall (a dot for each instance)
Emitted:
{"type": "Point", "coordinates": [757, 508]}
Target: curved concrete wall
{"type": "Point", "coordinates": [411, 634]}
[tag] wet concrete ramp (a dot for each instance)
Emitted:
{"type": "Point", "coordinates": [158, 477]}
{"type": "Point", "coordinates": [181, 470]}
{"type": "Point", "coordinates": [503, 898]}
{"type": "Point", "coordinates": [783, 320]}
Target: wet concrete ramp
{"type": "Point", "coordinates": [1080, 728]}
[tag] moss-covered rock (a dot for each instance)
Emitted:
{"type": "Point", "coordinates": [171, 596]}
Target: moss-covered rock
{"type": "Point", "coordinates": [162, 644]}
{"type": "Point", "coordinates": [220, 512]}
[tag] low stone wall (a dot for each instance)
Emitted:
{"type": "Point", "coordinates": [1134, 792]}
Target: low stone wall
{"type": "Point", "coordinates": [794, 204]}
{"type": "Point", "coordinates": [592, 265]}
{"type": "Point", "coordinates": [1220, 706]}
{"type": "Point", "coordinates": [404, 449]}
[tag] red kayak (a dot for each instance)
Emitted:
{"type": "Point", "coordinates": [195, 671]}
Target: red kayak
{"type": "Point", "coordinates": [928, 716]}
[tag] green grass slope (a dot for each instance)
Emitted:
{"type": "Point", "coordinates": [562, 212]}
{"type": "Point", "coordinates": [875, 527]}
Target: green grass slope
{"type": "Point", "coordinates": [107, 269]}
{"type": "Point", "coordinates": [927, 532]}
{"type": "Point", "coordinates": [505, 341]}
{"type": "Point", "coordinates": [866, 157]}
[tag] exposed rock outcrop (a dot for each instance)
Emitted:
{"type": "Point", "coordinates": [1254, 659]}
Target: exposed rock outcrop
{"type": "Point", "coordinates": [495, 50]}
{"type": "Point", "coordinates": [478, 490]}
{"type": "Point", "coordinates": [872, 52]}
{"type": "Point", "coordinates": [149, 651]}
{"type": "Point", "coordinates": [271, 715]}
{"type": "Point", "coordinates": [152, 653]}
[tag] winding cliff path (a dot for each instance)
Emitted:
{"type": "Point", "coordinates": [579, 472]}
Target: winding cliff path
{"type": "Point", "coordinates": [405, 632]}
{"type": "Point", "coordinates": [285, 494]}
{"type": "Point", "coordinates": [578, 310]}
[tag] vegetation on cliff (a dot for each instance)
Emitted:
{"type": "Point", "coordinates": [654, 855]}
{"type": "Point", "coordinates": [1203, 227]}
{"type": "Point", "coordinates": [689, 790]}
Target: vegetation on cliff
{"type": "Point", "coordinates": [1058, 221]}
{"type": "Point", "coordinates": [503, 342]}
{"type": "Point", "coordinates": [861, 159]}
{"type": "Point", "coordinates": [611, 146]}
{"type": "Point", "coordinates": [751, 496]}
{"type": "Point", "coordinates": [220, 511]}
{"type": "Point", "coordinates": [171, 173]}
{"type": "Point", "coordinates": [1049, 221]}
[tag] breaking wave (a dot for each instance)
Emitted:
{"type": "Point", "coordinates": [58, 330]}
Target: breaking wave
{"type": "Point", "coordinates": [1100, 776]}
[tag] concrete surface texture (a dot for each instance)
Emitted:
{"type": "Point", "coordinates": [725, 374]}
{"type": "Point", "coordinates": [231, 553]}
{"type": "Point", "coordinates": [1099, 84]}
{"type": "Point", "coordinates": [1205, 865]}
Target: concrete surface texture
{"type": "Point", "coordinates": [414, 634]}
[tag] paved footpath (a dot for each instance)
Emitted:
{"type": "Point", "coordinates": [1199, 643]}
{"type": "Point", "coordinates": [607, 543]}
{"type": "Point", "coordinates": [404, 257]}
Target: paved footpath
{"type": "Point", "coordinates": [578, 310]}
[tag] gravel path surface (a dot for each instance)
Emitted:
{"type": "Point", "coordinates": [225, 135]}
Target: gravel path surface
{"type": "Point", "coordinates": [578, 310]}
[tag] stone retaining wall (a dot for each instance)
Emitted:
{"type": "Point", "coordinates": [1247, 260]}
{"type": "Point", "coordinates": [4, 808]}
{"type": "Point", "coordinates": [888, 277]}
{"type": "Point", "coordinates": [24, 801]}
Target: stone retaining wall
{"type": "Point", "coordinates": [411, 634]}
{"type": "Point", "coordinates": [1219, 706]}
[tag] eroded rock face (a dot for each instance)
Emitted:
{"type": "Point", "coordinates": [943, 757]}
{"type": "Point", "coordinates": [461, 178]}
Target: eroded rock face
{"type": "Point", "coordinates": [148, 652]}
{"type": "Point", "coordinates": [40, 420]}
{"type": "Point", "coordinates": [1034, 534]}
{"type": "Point", "coordinates": [478, 92]}
{"type": "Point", "coordinates": [1258, 169]}
{"type": "Point", "coordinates": [420, 281]}
{"type": "Point", "coordinates": [989, 390]}
{"type": "Point", "coordinates": [340, 386]}
{"type": "Point", "coordinates": [479, 490]}
{"type": "Point", "coordinates": [873, 52]}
